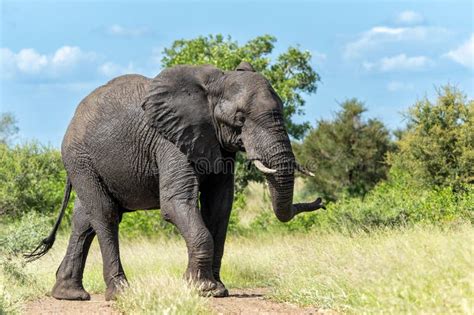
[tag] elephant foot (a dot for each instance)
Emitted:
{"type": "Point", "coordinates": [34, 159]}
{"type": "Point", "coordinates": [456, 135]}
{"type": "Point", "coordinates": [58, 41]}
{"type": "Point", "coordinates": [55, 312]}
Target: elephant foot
{"type": "Point", "coordinates": [221, 290]}
{"type": "Point", "coordinates": [206, 284]}
{"type": "Point", "coordinates": [209, 288]}
{"type": "Point", "coordinates": [65, 290]}
{"type": "Point", "coordinates": [115, 288]}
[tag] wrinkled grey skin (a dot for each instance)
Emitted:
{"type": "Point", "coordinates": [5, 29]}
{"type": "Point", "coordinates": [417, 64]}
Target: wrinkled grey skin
{"type": "Point", "coordinates": [139, 143]}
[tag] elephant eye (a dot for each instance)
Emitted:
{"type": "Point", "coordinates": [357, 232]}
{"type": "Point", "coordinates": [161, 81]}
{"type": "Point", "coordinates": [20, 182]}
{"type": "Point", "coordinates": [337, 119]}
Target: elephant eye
{"type": "Point", "coordinates": [239, 119]}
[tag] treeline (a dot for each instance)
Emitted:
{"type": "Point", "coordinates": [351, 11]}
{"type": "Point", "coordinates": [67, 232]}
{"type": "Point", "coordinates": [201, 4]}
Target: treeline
{"type": "Point", "coordinates": [423, 173]}
{"type": "Point", "coordinates": [371, 176]}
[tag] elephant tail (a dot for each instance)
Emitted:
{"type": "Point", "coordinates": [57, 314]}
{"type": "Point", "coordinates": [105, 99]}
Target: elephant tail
{"type": "Point", "coordinates": [48, 242]}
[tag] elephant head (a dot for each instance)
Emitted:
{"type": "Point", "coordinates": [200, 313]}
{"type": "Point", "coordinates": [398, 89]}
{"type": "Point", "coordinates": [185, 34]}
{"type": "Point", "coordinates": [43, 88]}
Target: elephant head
{"type": "Point", "coordinates": [207, 112]}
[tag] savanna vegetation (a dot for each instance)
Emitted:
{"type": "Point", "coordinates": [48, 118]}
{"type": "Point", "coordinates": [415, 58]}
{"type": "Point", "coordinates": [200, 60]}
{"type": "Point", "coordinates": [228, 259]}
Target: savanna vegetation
{"type": "Point", "coordinates": [396, 236]}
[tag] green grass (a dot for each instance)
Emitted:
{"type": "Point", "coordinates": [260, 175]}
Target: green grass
{"type": "Point", "coordinates": [410, 271]}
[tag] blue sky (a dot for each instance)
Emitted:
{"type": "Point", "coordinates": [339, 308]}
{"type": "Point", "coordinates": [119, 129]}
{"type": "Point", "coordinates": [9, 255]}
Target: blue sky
{"type": "Point", "coordinates": [386, 53]}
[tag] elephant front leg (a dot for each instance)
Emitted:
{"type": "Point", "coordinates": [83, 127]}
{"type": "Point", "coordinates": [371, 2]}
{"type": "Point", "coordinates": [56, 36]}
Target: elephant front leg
{"type": "Point", "coordinates": [217, 195]}
{"type": "Point", "coordinates": [186, 216]}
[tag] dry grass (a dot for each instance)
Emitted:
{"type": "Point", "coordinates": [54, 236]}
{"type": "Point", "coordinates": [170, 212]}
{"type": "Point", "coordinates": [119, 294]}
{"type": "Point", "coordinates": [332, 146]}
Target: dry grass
{"type": "Point", "coordinates": [419, 270]}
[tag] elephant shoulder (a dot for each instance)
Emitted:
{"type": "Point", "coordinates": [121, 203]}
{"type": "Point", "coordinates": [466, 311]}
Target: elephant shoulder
{"type": "Point", "coordinates": [116, 95]}
{"type": "Point", "coordinates": [117, 101]}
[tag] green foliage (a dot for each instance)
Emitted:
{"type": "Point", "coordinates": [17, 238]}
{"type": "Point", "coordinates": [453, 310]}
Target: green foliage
{"type": "Point", "coordinates": [393, 205]}
{"type": "Point", "coordinates": [437, 148]}
{"type": "Point", "coordinates": [239, 205]}
{"type": "Point", "coordinates": [347, 154]}
{"type": "Point", "coordinates": [8, 127]}
{"type": "Point", "coordinates": [32, 179]}
{"type": "Point", "coordinates": [245, 173]}
{"type": "Point", "coordinates": [390, 204]}
{"type": "Point", "coordinates": [146, 223]}
{"type": "Point", "coordinates": [16, 285]}
{"type": "Point", "coordinates": [21, 236]}
{"type": "Point", "coordinates": [18, 237]}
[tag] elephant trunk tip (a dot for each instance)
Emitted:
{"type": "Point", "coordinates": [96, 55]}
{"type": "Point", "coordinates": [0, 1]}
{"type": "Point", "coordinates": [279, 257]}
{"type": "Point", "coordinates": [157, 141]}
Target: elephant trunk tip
{"type": "Point", "coordinates": [286, 216]}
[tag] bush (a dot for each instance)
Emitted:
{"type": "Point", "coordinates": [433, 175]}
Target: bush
{"type": "Point", "coordinates": [437, 148]}
{"type": "Point", "coordinates": [240, 203]}
{"type": "Point", "coordinates": [32, 179]}
{"type": "Point", "coordinates": [24, 235]}
{"type": "Point", "coordinates": [146, 223]}
{"type": "Point", "coordinates": [390, 204]}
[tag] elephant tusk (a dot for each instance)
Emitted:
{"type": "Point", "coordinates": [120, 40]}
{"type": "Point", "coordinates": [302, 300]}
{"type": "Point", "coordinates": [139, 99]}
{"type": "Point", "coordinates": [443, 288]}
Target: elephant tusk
{"type": "Point", "coordinates": [263, 168]}
{"type": "Point", "coordinates": [304, 171]}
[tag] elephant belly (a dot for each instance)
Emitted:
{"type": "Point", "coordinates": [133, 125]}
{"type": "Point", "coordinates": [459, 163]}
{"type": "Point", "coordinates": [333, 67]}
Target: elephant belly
{"type": "Point", "coordinates": [136, 194]}
{"type": "Point", "coordinates": [132, 182]}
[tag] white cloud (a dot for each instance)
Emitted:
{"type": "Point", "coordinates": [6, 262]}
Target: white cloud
{"type": "Point", "coordinates": [395, 86]}
{"type": "Point", "coordinates": [464, 54]}
{"type": "Point", "coordinates": [380, 35]}
{"type": "Point", "coordinates": [67, 56]}
{"type": "Point", "coordinates": [30, 62]}
{"type": "Point", "coordinates": [409, 17]}
{"type": "Point", "coordinates": [110, 69]}
{"type": "Point", "coordinates": [398, 62]}
{"type": "Point", "coordinates": [118, 30]}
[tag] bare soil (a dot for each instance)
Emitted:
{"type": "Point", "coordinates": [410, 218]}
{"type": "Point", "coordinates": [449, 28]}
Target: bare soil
{"type": "Point", "coordinates": [253, 301]}
{"type": "Point", "coordinates": [49, 305]}
{"type": "Point", "coordinates": [240, 301]}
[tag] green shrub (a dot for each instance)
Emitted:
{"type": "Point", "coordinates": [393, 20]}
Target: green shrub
{"type": "Point", "coordinates": [239, 205]}
{"type": "Point", "coordinates": [24, 235]}
{"type": "Point", "coordinates": [32, 179]}
{"type": "Point", "coordinates": [389, 204]}
{"type": "Point", "coordinates": [146, 223]}
{"type": "Point", "coordinates": [437, 148]}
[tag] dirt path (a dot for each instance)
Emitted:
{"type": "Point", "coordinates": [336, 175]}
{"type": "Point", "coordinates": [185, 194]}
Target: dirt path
{"type": "Point", "coordinates": [252, 301]}
{"type": "Point", "coordinates": [49, 305]}
{"type": "Point", "coordinates": [240, 301]}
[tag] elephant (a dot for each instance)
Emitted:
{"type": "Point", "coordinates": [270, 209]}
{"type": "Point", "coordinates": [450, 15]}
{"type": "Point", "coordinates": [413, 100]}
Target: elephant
{"type": "Point", "coordinates": [169, 143]}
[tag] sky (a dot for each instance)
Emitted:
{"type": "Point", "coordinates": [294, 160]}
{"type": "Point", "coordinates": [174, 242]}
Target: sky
{"type": "Point", "coordinates": [388, 54]}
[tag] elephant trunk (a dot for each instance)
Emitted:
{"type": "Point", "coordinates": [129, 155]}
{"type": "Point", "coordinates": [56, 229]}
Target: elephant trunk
{"type": "Point", "coordinates": [268, 142]}
{"type": "Point", "coordinates": [281, 185]}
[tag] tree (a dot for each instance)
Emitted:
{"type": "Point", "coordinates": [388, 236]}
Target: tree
{"type": "Point", "coordinates": [8, 127]}
{"type": "Point", "coordinates": [347, 154]}
{"type": "Point", "coordinates": [437, 147]}
{"type": "Point", "coordinates": [290, 75]}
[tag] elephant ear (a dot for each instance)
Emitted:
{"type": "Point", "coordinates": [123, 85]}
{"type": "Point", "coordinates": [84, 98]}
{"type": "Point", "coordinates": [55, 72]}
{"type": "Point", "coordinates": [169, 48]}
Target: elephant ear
{"type": "Point", "coordinates": [244, 66]}
{"type": "Point", "coordinates": [177, 106]}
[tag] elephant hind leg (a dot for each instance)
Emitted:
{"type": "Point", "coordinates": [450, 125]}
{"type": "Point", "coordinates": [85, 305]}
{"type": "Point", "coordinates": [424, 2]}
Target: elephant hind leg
{"type": "Point", "coordinates": [68, 284]}
{"type": "Point", "coordinates": [103, 215]}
